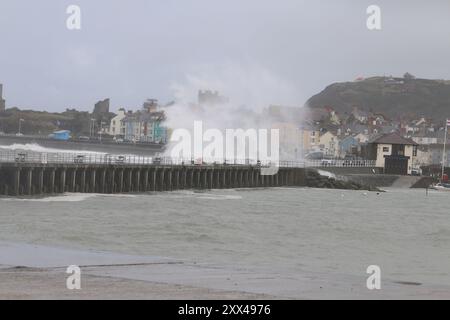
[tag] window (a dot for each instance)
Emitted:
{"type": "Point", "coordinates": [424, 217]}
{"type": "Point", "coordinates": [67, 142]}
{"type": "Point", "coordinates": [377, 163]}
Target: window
{"type": "Point", "coordinates": [414, 151]}
{"type": "Point", "coordinates": [385, 149]}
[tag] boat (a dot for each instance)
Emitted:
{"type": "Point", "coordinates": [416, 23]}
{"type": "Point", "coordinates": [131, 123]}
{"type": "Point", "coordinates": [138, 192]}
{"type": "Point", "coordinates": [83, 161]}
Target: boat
{"type": "Point", "coordinates": [441, 186]}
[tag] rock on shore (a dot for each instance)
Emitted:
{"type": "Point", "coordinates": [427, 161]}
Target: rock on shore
{"type": "Point", "coordinates": [315, 180]}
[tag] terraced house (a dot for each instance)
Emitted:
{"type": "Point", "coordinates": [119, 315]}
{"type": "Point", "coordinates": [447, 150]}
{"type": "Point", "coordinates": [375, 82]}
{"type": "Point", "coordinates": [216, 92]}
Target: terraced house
{"type": "Point", "coordinates": [146, 125]}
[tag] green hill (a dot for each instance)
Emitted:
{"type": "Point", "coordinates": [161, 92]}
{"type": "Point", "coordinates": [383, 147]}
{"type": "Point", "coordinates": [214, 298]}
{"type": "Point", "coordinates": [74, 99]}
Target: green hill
{"type": "Point", "coordinates": [394, 97]}
{"type": "Point", "coordinates": [44, 123]}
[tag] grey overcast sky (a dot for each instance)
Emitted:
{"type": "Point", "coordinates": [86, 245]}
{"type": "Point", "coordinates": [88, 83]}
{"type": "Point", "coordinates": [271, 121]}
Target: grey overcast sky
{"type": "Point", "coordinates": [284, 50]}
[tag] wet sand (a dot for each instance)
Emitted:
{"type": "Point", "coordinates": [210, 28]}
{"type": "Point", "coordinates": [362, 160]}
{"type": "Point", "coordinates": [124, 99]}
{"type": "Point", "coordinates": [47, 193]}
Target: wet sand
{"type": "Point", "coordinates": [39, 272]}
{"type": "Point", "coordinates": [49, 284]}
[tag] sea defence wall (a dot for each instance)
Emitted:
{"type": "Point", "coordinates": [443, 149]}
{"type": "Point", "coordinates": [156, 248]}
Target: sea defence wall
{"type": "Point", "coordinates": [22, 179]}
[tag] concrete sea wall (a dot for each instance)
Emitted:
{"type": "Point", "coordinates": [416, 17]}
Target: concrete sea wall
{"type": "Point", "coordinates": [39, 179]}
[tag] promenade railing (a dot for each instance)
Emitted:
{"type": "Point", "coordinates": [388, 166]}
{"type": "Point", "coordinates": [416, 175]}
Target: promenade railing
{"type": "Point", "coordinates": [32, 157]}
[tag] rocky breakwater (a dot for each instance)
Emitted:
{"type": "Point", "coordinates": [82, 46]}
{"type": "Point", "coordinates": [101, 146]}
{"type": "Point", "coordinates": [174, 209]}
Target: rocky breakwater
{"type": "Point", "coordinates": [315, 180]}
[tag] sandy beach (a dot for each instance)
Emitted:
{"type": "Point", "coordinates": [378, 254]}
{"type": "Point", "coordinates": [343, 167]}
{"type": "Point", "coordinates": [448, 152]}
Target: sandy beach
{"type": "Point", "coordinates": [39, 272]}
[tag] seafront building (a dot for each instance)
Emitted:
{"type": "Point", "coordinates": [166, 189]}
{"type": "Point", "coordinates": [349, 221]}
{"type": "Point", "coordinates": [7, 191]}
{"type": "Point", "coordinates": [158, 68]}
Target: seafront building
{"type": "Point", "coordinates": [146, 125]}
{"type": "Point", "coordinates": [394, 153]}
{"type": "Point", "coordinates": [117, 125]}
{"type": "Point", "coordinates": [329, 143]}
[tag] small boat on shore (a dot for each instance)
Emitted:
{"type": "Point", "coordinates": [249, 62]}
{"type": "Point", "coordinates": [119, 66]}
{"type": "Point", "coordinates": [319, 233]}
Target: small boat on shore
{"type": "Point", "coordinates": [441, 186]}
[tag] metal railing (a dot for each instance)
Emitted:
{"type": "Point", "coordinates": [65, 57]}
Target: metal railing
{"type": "Point", "coordinates": [340, 163]}
{"type": "Point", "coordinates": [109, 159]}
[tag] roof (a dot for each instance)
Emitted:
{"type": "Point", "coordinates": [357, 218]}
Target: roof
{"type": "Point", "coordinates": [393, 138]}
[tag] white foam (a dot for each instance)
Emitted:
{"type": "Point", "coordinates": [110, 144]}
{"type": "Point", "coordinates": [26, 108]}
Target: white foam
{"type": "Point", "coordinates": [69, 197]}
{"type": "Point", "coordinates": [326, 174]}
{"type": "Point", "coordinates": [34, 147]}
{"type": "Point", "coordinates": [209, 196]}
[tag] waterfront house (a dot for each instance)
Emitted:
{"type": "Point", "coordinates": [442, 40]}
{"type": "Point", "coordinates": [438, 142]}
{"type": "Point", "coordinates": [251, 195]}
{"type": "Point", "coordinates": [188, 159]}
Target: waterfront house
{"type": "Point", "coordinates": [310, 138]}
{"type": "Point", "coordinates": [393, 152]}
{"type": "Point", "coordinates": [143, 126]}
{"type": "Point", "coordinates": [348, 146]}
{"type": "Point", "coordinates": [117, 125]}
{"type": "Point", "coordinates": [329, 143]}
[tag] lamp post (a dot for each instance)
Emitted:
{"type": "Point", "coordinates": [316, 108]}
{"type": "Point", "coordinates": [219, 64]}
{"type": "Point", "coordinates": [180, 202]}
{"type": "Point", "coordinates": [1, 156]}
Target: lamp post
{"type": "Point", "coordinates": [101, 129]}
{"type": "Point", "coordinates": [92, 128]}
{"type": "Point", "coordinates": [20, 126]}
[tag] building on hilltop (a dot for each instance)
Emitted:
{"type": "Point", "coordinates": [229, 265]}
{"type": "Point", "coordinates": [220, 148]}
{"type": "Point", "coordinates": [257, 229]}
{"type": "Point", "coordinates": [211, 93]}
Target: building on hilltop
{"type": "Point", "coordinates": [151, 105]}
{"type": "Point", "coordinates": [211, 98]}
{"type": "Point", "coordinates": [102, 107]}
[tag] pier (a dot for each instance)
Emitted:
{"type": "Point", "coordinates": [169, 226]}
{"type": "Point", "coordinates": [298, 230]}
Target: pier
{"type": "Point", "coordinates": [23, 174]}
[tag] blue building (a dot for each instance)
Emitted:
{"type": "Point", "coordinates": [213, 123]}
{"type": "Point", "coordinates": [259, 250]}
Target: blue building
{"type": "Point", "coordinates": [143, 126]}
{"type": "Point", "coordinates": [62, 135]}
{"type": "Point", "coordinates": [348, 145]}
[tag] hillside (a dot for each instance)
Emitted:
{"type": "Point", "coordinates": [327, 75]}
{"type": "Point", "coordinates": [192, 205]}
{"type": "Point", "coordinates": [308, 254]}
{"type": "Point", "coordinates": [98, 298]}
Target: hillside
{"type": "Point", "coordinates": [393, 97]}
{"type": "Point", "coordinates": [43, 123]}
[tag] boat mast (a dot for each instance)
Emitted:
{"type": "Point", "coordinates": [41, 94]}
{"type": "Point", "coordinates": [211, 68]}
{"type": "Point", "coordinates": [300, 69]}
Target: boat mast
{"type": "Point", "coordinates": [443, 152]}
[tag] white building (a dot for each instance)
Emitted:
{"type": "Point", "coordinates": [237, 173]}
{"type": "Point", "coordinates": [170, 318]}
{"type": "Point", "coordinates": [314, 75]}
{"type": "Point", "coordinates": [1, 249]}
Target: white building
{"type": "Point", "coordinates": [329, 143]}
{"type": "Point", "coordinates": [117, 125]}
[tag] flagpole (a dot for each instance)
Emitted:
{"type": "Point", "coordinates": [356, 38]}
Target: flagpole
{"type": "Point", "coordinates": [443, 153]}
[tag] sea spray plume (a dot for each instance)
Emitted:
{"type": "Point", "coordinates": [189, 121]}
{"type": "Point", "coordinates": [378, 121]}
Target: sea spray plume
{"type": "Point", "coordinates": [250, 91]}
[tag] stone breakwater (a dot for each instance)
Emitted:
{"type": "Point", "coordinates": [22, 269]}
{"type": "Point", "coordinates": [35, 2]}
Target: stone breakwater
{"type": "Point", "coordinates": [315, 180]}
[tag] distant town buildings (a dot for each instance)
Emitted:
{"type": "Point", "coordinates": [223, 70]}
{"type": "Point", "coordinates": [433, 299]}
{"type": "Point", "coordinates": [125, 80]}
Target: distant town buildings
{"type": "Point", "coordinates": [398, 145]}
{"type": "Point", "coordinates": [146, 125]}
{"type": "Point", "coordinates": [2, 101]}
